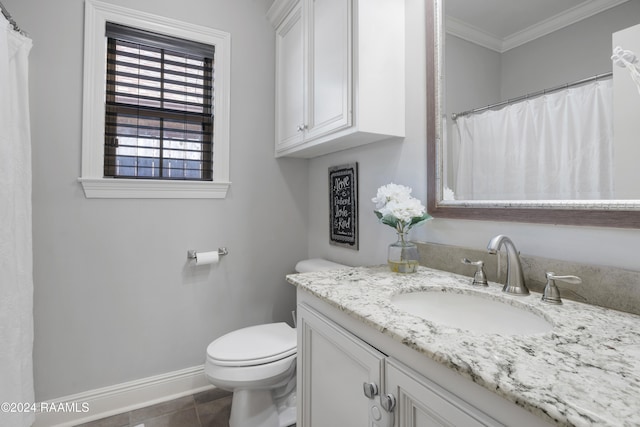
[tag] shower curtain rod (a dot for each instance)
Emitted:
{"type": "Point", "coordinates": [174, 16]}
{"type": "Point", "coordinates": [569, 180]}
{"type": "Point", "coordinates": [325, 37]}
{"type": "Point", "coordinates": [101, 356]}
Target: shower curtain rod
{"type": "Point", "coordinates": [13, 23]}
{"type": "Point", "coordinates": [454, 116]}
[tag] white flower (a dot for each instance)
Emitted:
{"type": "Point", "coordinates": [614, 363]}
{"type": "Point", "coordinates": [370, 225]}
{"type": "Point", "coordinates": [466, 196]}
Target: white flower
{"type": "Point", "coordinates": [448, 194]}
{"type": "Point", "coordinates": [404, 210]}
{"type": "Point", "coordinates": [395, 207]}
{"type": "Point", "coordinates": [390, 192]}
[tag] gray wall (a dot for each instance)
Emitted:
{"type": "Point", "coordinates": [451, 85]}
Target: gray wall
{"type": "Point", "coordinates": [572, 53]}
{"type": "Point", "coordinates": [575, 52]}
{"type": "Point", "coordinates": [114, 297]}
{"type": "Point", "coordinates": [402, 161]}
{"type": "Point", "coordinates": [472, 75]}
{"type": "Point", "coordinates": [405, 163]}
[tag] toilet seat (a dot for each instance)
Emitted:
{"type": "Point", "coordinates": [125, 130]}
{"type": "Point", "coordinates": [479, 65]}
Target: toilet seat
{"type": "Point", "coordinates": [254, 345]}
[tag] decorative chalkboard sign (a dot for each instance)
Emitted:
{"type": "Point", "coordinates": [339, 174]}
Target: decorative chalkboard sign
{"type": "Point", "coordinates": [343, 205]}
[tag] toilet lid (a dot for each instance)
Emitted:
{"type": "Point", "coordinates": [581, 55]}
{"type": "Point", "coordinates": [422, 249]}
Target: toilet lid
{"type": "Point", "coordinates": [254, 345]}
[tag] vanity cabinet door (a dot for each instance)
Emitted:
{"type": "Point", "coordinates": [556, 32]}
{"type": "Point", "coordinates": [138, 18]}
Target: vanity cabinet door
{"type": "Point", "coordinates": [289, 81]}
{"type": "Point", "coordinates": [421, 403]}
{"type": "Point", "coordinates": [332, 367]}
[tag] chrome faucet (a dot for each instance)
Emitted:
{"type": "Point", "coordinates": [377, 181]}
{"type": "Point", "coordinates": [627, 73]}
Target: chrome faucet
{"type": "Point", "coordinates": [515, 279]}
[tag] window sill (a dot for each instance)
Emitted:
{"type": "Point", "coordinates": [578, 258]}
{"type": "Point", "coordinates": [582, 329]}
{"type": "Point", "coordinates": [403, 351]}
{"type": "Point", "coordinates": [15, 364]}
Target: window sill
{"type": "Point", "coordinates": [107, 188]}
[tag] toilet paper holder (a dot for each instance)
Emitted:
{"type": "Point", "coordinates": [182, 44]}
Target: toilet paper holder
{"type": "Point", "coordinates": [193, 254]}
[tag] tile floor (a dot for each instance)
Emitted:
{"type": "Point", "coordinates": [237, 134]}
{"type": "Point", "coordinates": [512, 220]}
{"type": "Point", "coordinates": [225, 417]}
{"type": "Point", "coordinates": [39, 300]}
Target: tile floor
{"type": "Point", "coordinates": [207, 409]}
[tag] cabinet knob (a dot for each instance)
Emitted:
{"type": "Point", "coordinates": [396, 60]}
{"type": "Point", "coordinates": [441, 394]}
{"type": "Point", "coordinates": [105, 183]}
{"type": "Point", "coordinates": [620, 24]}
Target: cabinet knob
{"type": "Point", "coordinates": [301, 128]}
{"type": "Point", "coordinates": [370, 389]}
{"type": "Point", "coordinates": [388, 402]}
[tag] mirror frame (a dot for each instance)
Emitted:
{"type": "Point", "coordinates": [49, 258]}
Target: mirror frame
{"type": "Point", "coordinates": [619, 213]}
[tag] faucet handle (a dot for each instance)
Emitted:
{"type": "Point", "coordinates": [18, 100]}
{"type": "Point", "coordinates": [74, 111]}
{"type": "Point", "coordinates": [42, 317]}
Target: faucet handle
{"type": "Point", "coordinates": [480, 277]}
{"type": "Point", "coordinates": [551, 293]}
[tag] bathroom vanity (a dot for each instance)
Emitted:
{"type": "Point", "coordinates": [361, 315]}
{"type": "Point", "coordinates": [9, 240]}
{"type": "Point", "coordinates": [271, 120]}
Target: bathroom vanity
{"type": "Point", "coordinates": [365, 360]}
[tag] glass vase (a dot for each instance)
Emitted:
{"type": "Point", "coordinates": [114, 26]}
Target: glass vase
{"type": "Point", "coordinates": [403, 255]}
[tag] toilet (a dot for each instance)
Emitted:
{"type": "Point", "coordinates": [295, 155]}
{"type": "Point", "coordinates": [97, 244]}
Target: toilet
{"type": "Point", "coordinates": [258, 364]}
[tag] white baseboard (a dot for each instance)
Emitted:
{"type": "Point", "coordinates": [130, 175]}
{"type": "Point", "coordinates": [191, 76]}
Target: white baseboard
{"type": "Point", "coordinates": [95, 404]}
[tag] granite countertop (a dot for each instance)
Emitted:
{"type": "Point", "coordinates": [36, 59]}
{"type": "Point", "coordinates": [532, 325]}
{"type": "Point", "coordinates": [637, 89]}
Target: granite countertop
{"type": "Point", "coordinates": [584, 372]}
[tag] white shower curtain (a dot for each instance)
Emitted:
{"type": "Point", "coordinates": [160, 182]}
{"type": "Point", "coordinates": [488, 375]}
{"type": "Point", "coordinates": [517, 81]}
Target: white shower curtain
{"type": "Point", "coordinates": [555, 146]}
{"type": "Point", "coordinates": [16, 261]}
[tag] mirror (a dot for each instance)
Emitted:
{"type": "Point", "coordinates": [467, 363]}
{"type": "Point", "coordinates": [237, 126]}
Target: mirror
{"type": "Point", "coordinates": [498, 66]}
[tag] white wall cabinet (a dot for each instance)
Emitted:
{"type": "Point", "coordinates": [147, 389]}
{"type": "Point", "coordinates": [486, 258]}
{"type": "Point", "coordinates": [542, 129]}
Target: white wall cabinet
{"type": "Point", "coordinates": [289, 81]}
{"type": "Point", "coordinates": [340, 74]}
{"type": "Point", "coordinates": [339, 356]}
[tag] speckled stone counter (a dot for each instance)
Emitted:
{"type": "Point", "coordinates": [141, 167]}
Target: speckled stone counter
{"type": "Point", "coordinates": [585, 372]}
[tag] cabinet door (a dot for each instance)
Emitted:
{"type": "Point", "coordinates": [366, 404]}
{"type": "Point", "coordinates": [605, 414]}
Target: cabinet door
{"type": "Point", "coordinates": [289, 81]}
{"type": "Point", "coordinates": [332, 367]}
{"type": "Point", "coordinates": [422, 403]}
{"type": "Point", "coordinates": [328, 66]}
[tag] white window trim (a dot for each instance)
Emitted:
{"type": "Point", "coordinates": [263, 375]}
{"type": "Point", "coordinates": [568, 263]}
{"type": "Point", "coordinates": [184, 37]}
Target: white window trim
{"type": "Point", "coordinates": [97, 14]}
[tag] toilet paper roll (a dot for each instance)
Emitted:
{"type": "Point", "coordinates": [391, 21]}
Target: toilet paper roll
{"type": "Point", "coordinates": [204, 258]}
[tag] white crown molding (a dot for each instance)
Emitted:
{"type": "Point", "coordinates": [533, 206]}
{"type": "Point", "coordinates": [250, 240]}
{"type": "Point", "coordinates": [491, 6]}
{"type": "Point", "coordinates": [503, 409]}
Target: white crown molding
{"type": "Point", "coordinates": [564, 19]}
{"type": "Point", "coordinates": [472, 34]}
{"type": "Point", "coordinates": [123, 397]}
{"type": "Point", "coordinates": [548, 26]}
{"type": "Point", "coordinates": [279, 10]}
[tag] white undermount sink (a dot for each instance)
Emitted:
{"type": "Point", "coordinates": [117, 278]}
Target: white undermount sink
{"type": "Point", "coordinates": [473, 313]}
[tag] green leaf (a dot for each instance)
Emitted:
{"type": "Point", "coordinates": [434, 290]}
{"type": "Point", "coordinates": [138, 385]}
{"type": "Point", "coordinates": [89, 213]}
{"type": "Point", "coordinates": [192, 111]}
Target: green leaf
{"type": "Point", "coordinates": [390, 220]}
{"type": "Point", "coordinates": [419, 220]}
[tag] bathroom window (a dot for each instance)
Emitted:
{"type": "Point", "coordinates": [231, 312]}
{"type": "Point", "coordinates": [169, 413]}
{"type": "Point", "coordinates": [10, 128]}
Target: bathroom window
{"type": "Point", "coordinates": [158, 112]}
{"type": "Point", "coordinates": [153, 89]}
